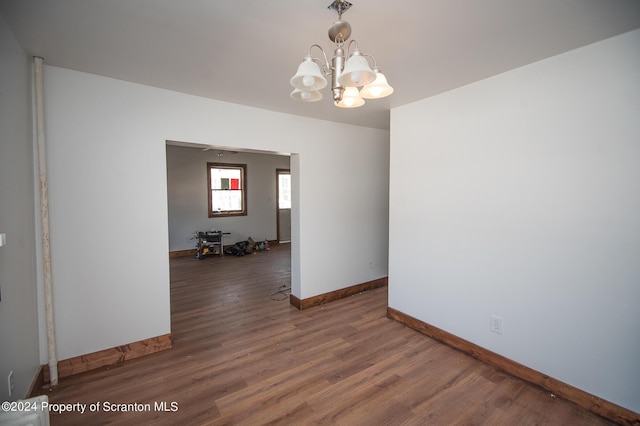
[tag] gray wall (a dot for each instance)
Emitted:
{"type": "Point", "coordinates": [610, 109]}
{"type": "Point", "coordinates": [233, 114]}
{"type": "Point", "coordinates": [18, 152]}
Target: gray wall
{"type": "Point", "coordinates": [187, 195]}
{"type": "Point", "coordinates": [18, 308]}
{"type": "Point", "coordinates": [108, 179]}
{"type": "Point", "coordinates": [520, 194]}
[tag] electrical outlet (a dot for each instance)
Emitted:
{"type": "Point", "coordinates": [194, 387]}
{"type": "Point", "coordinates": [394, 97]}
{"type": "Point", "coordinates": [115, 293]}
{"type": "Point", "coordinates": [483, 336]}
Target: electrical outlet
{"type": "Point", "coordinates": [495, 324]}
{"type": "Point", "coordinates": [10, 383]}
{"type": "Point", "coordinates": [370, 265]}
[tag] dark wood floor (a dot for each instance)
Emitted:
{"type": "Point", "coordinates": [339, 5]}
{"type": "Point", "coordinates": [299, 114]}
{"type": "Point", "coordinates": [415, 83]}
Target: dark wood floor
{"type": "Point", "coordinates": [240, 357]}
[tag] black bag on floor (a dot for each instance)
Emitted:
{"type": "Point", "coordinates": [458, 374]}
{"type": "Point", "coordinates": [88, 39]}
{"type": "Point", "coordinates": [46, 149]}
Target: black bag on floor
{"type": "Point", "coordinates": [234, 250]}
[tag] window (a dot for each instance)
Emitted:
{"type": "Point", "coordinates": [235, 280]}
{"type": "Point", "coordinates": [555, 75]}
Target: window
{"type": "Point", "coordinates": [284, 189]}
{"type": "Point", "coordinates": [227, 189]}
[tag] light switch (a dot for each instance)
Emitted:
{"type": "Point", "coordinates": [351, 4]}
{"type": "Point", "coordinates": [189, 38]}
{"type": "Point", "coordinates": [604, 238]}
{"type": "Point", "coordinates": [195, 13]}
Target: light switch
{"type": "Point", "coordinates": [3, 240]}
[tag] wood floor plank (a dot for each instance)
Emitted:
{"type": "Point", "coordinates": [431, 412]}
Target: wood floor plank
{"type": "Point", "coordinates": [241, 358]}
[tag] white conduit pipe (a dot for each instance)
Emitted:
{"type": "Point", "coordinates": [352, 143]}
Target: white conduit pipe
{"type": "Point", "coordinates": [44, 223]}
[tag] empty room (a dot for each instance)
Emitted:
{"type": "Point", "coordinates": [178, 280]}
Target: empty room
{"type": "Point", "coordinates": [320, 212]}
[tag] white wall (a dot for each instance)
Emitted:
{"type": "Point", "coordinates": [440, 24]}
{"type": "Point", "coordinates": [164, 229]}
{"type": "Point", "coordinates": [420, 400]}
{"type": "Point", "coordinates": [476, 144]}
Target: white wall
{"type": "Point", "coordinates": [108, 200]}
{"type": "Point", "coordinates": [18, 307]}
{"type": "Point", "coordinates": [519, 196]}
{"type": "Point", "coordinates": [187, 194]}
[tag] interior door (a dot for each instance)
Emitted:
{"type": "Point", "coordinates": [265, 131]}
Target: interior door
{"type": "Point", "coordinates": [283, 195]}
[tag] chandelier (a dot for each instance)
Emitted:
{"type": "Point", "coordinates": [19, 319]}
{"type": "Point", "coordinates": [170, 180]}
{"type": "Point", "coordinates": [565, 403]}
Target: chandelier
{"type": "Point", "coordinates": [352, 79]}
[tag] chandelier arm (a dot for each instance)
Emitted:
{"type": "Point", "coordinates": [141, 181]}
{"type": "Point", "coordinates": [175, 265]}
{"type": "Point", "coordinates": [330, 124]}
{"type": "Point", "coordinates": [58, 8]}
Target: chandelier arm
{"type": "Point", "coordinates": [349, 46]}
{"type": "Point", "coordinates": [325, 66]}
{"type": "Point", "coordinates": [375, 64]}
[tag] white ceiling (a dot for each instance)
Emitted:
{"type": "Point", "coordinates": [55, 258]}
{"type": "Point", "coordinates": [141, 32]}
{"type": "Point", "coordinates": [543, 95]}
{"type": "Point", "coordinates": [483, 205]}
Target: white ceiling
{"type": "Point", "coordinates": [245, 52]}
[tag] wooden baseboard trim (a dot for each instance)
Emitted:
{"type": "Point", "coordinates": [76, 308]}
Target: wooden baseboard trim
{"type": "Point", "coordinates": [579, 397]}
{"type": "Point", "coordinates": [295, 302]}
{"type": "Point", "coordinates": [117, 355]}
{"type": "Point", "coordinates": [183, 253]}
{"type": "Point", "coordinates": [37, 384]}
{"type": "Point", "coordinates": [337, 294]}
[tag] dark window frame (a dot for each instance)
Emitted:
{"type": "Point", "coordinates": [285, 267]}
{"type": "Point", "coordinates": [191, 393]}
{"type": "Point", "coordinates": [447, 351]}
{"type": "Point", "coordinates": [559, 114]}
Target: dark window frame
{"type": "Point", "coordinates": [243, 189]}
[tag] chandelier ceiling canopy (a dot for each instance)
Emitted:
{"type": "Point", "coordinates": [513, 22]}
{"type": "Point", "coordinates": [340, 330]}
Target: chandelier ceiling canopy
{"type": "Point", "coordinates": [352, 78]}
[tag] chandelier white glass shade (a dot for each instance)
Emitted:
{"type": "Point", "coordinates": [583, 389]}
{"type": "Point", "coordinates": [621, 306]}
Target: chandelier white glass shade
{"type": "Point", "coordinates": [351, 76]}
{"type": "Point", "coordinates": [309, 76]}
{"type": "Point", "coordinates": [378, 89]}
{"type": "Point", "coordinates": [356, 72]}
{"type": "Point", "coordinates": [350, 98]}
{"type": "Point", "coordinates": [306, 95]}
